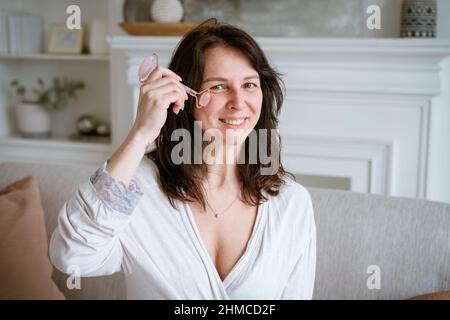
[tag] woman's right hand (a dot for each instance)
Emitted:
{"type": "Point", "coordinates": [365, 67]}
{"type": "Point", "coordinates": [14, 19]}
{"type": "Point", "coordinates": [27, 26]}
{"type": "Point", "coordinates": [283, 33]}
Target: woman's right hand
{"type": "Point", "coordinates": [161, 88]}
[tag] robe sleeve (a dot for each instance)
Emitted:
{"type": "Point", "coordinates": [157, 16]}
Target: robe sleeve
{"type": "Point", "coordinates": [300, 285]}
{"type": "Point", "coordinates": [89, 224]}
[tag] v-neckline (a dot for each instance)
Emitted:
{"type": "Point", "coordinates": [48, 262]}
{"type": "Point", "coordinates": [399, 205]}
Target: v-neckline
{"type": "Point", "coordinates": [240, 262]}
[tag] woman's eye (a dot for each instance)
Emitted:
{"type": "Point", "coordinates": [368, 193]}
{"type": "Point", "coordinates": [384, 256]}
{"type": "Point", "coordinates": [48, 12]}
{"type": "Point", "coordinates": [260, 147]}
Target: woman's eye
{"type": "Point", "coordinates": [251, 85]}
{"type": "Point", "coordinates": [218, 87]}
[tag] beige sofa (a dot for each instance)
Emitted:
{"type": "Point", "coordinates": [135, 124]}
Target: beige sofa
{"type": "Point", "coordinates": [368, 247]}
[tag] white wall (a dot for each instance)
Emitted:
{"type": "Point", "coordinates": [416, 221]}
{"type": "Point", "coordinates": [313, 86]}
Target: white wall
{"type": "Point", "coordinates": [440, 119]}
{"type": "Point", "coordinates": [443, 19]}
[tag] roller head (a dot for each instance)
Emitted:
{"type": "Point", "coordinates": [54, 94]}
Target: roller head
{"type": "Point", "coordinates": [204, 99]}
{"type": "Point", "coordinates": [147, 66]}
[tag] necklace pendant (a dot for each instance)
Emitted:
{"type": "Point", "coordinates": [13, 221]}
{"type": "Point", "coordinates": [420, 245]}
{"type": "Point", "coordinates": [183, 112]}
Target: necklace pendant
{"type": "Point", "coordinates": [216, 215]}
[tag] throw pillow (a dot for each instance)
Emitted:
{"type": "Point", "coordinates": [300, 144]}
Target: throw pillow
{"type": "Point", "coordinates": [25, 269]}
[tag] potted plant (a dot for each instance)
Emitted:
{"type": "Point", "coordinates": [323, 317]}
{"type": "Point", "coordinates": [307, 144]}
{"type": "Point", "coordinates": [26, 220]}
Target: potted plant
{"type": "Point", "coordinates": [33, 113]}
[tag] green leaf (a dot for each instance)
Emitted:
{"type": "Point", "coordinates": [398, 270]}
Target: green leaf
{"type": "Point", "coordinates": [55, 96]}
{"type": "Point", "coordinates": [21, 90]}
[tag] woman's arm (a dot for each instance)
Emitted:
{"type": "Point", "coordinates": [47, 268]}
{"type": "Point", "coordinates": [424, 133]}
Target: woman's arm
{"type": "Point", "coordinates": [161, 88]}
{"type": "Point", "coordinates": [89, 225]}
{"type": "Point", "coordinates": [125, 160]}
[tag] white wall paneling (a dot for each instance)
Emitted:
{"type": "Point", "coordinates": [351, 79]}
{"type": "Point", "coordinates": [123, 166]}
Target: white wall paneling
{"type": "Point", "coordinates": [367, 163]}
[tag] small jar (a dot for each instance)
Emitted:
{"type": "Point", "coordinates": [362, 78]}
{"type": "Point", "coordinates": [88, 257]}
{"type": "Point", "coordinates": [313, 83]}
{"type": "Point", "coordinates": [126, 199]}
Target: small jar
{"type": "Point", "coordinates": [419, 18]}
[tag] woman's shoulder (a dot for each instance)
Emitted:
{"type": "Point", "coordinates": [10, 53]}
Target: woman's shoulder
{"type": "Point", "coordinates": [293, 202]}
{"type": "Point", "coordinates": [292, 191]}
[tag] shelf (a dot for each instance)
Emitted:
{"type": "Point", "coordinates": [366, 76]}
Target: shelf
{"type": "Point", "coordinates": [60, 57]}
{"type": "Point", "coordinates": [55, 142]}
{"type": "Point", "coordinates": [53, 151]}
{"type": "Point", "coordinates": [157, 29]}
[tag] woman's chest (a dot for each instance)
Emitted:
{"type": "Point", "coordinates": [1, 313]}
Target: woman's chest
{"type": "Point", "coordinates": [226, 237]}
{"type": "Point", "coordinates": [186, 250]}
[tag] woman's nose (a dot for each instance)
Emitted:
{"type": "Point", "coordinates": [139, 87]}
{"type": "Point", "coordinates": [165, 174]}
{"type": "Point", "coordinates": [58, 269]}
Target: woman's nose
{"type": "Point", "coordinates": [235, 99]}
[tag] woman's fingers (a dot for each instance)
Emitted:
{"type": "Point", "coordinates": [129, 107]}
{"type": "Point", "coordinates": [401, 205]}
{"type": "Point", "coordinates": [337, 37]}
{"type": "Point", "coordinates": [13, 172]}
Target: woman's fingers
{"type": "Point", "coordinates": [172, 88]}
{"type": "Point", "coordinates": [162, 87]}
{"type": "Point", "coordinates": [160, 72]}
{"type": "Point", "coordinates": [172, 97]}
{"type": "Point", "coordinates": [163, 82]}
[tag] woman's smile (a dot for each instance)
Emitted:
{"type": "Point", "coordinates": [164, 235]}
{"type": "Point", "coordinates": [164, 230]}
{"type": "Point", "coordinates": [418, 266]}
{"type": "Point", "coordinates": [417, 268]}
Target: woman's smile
{"type": "Point", "coordinates": [235, 123]}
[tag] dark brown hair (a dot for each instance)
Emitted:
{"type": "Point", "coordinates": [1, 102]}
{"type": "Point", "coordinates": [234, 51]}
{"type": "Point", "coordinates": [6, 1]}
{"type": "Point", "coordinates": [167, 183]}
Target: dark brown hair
{"type": "Point", "coordinates": [182, 181]}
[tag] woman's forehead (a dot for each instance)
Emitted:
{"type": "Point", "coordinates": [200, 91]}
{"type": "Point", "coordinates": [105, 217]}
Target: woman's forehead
{"type": "Point", "coordinates": [223, 53]}
{"type": "Point", "coordinates": [225, 63]}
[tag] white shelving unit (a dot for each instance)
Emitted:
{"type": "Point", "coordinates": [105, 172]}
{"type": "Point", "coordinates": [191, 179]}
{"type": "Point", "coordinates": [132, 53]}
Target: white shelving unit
{"type": "Point", "coordinates": [95, 99]}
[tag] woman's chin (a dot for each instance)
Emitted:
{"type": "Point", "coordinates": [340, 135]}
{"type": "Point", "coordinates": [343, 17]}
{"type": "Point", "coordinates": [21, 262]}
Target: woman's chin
{"type": "Point", "coordinates": [234, 143]}
{"type": "Point", "coordinates": [235, 137]}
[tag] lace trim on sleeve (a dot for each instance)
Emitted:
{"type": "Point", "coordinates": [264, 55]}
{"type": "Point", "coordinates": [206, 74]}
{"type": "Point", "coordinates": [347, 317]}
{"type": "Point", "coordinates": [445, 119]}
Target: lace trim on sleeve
{"type": "Point", "coordinates": [115, 193]}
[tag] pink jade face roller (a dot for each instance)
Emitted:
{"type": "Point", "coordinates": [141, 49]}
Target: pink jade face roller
{"type": "Point", "coordinates": [202, 98]}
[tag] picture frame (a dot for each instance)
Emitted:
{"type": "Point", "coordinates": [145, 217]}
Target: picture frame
{"type": "Point", "coordinates": [65, 41]}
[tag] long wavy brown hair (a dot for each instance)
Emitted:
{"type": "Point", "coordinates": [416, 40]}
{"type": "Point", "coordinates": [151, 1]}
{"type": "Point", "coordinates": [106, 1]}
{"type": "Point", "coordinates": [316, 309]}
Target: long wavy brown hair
{"type": "Point", "coordinates": [183, 181]}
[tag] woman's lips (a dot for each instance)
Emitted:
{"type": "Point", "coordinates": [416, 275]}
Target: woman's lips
{"type": "Point", "coordinates": [234, 123]}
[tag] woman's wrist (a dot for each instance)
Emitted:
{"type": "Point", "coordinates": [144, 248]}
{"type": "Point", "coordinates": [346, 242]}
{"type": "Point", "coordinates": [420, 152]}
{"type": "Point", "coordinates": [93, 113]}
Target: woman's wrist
{"type": "Point", "coordinates": [124, 161]}
{"type": "Point", "coordinates": [140, 140]}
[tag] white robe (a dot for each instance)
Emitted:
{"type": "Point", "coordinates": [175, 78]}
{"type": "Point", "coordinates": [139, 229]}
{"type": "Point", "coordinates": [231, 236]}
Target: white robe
{"type": "Point", "coordinates": [103, 229]}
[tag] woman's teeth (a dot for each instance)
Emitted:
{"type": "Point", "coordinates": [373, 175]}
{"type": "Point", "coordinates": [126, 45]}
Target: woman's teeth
{"type": "Point", "coordinates": [233, 122]}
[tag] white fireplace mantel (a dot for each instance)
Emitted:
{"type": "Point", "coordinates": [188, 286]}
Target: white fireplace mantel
{"type": "Point", "coordinates": [363, 109]}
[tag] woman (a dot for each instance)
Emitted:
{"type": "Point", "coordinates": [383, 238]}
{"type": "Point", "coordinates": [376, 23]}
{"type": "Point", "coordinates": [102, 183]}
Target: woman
{"type": "Point", "coordinates": [187, 230]}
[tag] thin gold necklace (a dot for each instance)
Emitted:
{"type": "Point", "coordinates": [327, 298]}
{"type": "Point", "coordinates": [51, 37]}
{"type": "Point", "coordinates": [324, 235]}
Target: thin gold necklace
{"type": "Point", "coordinates": [217, 215]}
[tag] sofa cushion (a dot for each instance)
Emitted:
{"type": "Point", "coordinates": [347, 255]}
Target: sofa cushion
{"type": "Point", "coordinates": [364, 240]}
{"type": "Point", "coordinates": [25, 270]}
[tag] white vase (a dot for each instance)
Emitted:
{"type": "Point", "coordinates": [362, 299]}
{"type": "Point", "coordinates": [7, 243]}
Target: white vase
{"type": "Point", "coordinates": [33, 121]}
{"type": "Point", "coordinates": [167, 11]}
{"type": "Point", "coordinates": [97, 37]}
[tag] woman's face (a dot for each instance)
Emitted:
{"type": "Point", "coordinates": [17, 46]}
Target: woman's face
{"type": "Point", "coordinates": [236, 96]}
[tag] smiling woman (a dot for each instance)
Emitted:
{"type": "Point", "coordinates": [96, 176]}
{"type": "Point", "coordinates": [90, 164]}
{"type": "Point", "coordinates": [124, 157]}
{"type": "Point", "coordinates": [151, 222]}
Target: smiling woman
{"type": "Point", "coordinates": [198, 229]}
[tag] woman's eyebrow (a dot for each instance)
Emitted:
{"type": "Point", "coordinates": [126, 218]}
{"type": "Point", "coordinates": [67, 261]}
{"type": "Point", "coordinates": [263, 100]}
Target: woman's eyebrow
{"type": "Point", "coordinates": [224, 79]}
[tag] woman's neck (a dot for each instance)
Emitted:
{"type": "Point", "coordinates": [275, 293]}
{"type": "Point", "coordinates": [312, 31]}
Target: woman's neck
{"type": "Point", "coordinates": [222, 167]}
